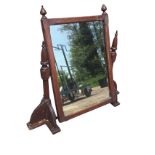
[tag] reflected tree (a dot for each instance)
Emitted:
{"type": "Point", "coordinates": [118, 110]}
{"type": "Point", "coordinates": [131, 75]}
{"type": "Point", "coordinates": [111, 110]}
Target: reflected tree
{"type": "Point", "coordinates": [86, 49]}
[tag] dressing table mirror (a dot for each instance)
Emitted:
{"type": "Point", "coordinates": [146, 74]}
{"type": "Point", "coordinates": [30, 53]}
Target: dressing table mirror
{"type": "Point", "coordinates": [77, 56]}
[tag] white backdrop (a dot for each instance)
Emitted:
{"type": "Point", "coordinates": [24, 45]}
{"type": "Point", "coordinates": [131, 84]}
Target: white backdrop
{"type": "Point", "coordinates": [125, 130]}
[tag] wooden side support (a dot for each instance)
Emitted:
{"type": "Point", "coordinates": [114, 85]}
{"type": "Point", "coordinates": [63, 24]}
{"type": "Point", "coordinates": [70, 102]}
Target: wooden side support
{"type": "Point", "coordinates": [44, 113]}
{"type": "Point", "coordinates": [113, 55]}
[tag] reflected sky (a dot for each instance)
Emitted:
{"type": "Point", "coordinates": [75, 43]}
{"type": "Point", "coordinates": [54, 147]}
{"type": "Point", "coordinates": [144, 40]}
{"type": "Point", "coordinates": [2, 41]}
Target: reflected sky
{"type": "Point", "coordinates": [59, 37]}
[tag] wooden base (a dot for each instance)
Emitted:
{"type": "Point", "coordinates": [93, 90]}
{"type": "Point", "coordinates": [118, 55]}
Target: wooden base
{"type": "Point", "coordinates": [44, 114]}
{"type": "Point", "coordinates": [115, 104]}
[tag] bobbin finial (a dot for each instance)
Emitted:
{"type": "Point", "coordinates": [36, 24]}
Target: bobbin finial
{"type": "Point", "coordinates": [43, 11]}
{"type": "Point", "coordinates": [103, 8]}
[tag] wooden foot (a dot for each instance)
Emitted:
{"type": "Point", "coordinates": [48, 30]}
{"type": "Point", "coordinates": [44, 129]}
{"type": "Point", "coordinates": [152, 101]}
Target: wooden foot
{"type": "Point", "coordinates": [116, 92]}
{"type": "Point", "coordinates": [115, 104]}
{"type": "Point", "coordinates": [44, 114]}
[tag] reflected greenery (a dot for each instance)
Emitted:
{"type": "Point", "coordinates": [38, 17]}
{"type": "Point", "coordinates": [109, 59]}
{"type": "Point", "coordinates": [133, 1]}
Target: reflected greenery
{"type": "Point", "coordinates": [86, 51]}
{"type": "Point", "coordinates": [80, 60]}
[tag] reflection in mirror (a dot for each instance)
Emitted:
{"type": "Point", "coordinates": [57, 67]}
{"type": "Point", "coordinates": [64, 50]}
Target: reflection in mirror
{"type": "Point", "coordinates": [80, 61]}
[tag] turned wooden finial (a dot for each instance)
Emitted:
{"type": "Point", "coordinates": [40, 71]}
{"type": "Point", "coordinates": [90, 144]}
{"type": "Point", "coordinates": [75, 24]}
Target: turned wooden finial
{"type": "Point", "coordinates": [43, 12]}
{"type": "Point", "coordinates": [103, 8]}
{"type": "Point", "coordinates": [114, 43]}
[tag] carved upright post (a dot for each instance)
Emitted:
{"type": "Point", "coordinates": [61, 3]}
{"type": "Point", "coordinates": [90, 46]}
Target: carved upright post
{"type": "Point", "coordinates": [114, 48]}
{"type": "Point", "coordinates": [113, 58]}
{"type": "Point", "coordinates": [44, 113]}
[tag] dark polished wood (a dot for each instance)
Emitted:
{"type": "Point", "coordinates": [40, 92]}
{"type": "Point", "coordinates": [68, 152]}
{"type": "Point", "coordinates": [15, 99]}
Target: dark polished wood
{"type": "Point", "coordinates": [53, 73]}
{"type": "Point", "coordinates": [44, 113]}
{"type": "Point", "coordinates": [55, 21]}
{"type": "Point", "coordinates": [43, 12]}
{"type": "Point", "coordinates": [113, 55]}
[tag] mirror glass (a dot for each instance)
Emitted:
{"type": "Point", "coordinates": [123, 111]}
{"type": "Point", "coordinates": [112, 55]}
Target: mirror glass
{"type": "Point", "coordinates": [80, 61]}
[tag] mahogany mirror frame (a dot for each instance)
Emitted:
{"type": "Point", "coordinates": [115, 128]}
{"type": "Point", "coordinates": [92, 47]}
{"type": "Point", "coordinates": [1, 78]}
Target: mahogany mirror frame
{"type": "Point", "coordinates": [44, 113]}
